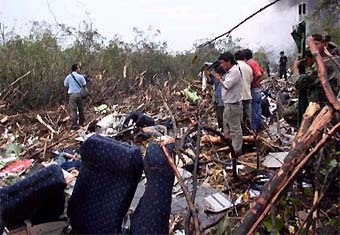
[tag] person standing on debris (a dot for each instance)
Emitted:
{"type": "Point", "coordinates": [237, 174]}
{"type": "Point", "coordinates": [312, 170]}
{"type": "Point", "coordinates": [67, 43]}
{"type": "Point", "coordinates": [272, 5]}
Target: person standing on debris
{"type": "Point", "coordinates": [304, 82]}
{"type": "Point", "coordinates": [268, 69]}
{"type": "Point", "coordinates": [219, 105]}
{"type": "Point", "coordinates": [247, 78]}
{"type": "Point", "coordinates": [283, 65]}
{"type": "Point", "coordinates": [311, 81]}
{"type": "Point", "coordinates": [203, 75]}
{"type": "Point", "coordinates": [256, 120]}
{"type": "Point", "coordinates": [76, 102]}
{"type": "Point", "coordinates": [232, 99]}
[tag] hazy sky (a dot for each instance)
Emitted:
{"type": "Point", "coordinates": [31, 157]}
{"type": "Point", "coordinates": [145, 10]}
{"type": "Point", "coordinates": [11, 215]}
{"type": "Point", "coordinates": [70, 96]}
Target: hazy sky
{"type": "Point", "coordinates": [181, 22]}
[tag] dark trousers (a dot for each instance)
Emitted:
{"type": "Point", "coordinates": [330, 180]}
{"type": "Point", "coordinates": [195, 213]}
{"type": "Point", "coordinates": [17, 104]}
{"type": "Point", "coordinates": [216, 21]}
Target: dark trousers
{"type": "Point", "coordinates": [76, 104]}
{"type": "Point", "coordinates": [219, 115]}
{"type": "Point", "coordinates": [283, 73]}
{"type": "Point", "coordinates": [302, 104]}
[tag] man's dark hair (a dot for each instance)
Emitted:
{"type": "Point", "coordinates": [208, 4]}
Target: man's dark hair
{"type": "Point", "coordinates": [317, 37]}
{"type": "Point", "coordinates": [239, 55]}
{"type": "Point", "coordinates": [248, 54]}
{"type": "Point", "coordinates": [227, 56]}
{"type": "Point", "coordinates": [74, 67]}
{"type": "Point", "coordinates": [282, 53]}
{"type": "Point", "coordinates": [321, 38]}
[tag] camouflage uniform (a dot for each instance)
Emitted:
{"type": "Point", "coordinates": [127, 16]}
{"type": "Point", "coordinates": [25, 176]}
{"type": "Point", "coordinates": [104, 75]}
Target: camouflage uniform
{"type": "Point", "coordinates": [303, 86]}
{"type": "Point", "coordinates": [310, 87]}
{"type": "Point", "coordinates": [333, 74]}
{"type": "Point", "coordinates": [308, 81]}
{"type": "Point", "coordinates": [316, 92]}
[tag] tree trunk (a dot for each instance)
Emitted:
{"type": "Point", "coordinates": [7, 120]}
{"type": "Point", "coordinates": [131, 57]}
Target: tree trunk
{"type": "Point", "coordinates": [303, 142]}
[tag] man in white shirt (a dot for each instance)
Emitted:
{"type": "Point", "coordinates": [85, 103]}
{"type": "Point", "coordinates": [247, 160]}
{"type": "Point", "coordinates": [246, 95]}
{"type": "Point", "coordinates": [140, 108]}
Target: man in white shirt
{"type": "Point", "coordinates": [232, 99]}
{"type": "Point", "coordinates": [74, 82]}
{"type": "Point", "coordinates": [247, 78]}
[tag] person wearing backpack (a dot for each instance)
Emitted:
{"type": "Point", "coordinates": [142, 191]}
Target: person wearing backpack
{"type": "Point", "coordinates": [75, 82]}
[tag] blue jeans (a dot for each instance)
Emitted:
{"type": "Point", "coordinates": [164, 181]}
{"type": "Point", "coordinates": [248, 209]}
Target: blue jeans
{"type": "Point", "coordinates": [256, 121]}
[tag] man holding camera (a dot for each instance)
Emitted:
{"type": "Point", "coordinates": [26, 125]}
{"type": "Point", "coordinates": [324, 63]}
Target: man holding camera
{"type": "Point", "coordinates": [232, 98]}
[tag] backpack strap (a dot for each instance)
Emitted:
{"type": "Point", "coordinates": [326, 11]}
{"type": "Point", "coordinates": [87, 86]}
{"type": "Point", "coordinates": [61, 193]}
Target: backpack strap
{"type": "Point", "coordinates": [76, 80]}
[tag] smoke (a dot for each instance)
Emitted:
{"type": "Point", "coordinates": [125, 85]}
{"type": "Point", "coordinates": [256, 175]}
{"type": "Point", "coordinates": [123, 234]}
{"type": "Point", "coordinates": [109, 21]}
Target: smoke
{"type": "Point", "coordinates": [286, 4]}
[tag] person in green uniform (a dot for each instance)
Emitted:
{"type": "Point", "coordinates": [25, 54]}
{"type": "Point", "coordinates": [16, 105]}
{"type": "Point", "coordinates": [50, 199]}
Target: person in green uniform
{"type": "Point", "coordinates": [310, 81]}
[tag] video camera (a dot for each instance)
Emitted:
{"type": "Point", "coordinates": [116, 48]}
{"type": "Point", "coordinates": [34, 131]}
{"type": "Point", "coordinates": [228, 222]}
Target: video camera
{"type": "Point", "coordinates": [213, 66]}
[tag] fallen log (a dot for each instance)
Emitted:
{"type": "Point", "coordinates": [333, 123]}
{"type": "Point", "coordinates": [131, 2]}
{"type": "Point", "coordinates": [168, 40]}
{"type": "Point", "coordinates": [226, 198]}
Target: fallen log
{"type": "Point", "coordinates": [218, 140]}
{"type": "Point", "coordinates": [278, 180]}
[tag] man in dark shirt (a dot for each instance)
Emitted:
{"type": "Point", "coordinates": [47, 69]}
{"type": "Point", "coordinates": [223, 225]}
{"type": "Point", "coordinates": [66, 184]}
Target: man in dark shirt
{"type": "Point", "coordinates": [283, 65]}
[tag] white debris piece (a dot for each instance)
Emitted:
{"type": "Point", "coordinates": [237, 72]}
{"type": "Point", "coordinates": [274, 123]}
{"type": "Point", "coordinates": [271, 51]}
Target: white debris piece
{"type": "Point", "coordinates": [274, 160]}
{"type": "Point", "coordinates": [218, 202]}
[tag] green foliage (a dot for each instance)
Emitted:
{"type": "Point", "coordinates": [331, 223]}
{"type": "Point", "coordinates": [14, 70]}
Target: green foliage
{"type": "Point", "coordinates": [223, 227]}
{"type": "Point", "coordinates": [261, 57]}
{"type": "Point", "coordinates": [329, 166]}
{"type": "Point", "coordinates": [13, 149]}
{"type": "Point", "coordinates": [284, 211]}
{"type": "Point", "coordinates": [333, 222]}
{"type": "Point", "coordinates": [274, 227]}
{"type": "Point", "coordinates": [48, 52]}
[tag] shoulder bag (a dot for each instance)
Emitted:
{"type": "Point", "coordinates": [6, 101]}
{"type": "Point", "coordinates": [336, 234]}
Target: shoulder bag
{"type": "Point", "coordinates": [84, 92]}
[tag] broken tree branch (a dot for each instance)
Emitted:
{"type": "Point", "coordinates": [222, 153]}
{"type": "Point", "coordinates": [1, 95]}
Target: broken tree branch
{"type": "Point", "coordinates": [10, 87]}
{"type": "Point", "coordinates": [173, 120]}
{"type": "Point", "coordinates": [185, 191]}
{"type": "Point", "coordinates": [317, 203]}
{"type": "Point", "coordinates": [296, 170]}
{"type": "Point", "coordinates": [329, 55]}
{"type": "Point", "coordinates": [306, 121]}
{"type": "Point", "coordinates": [255, 215]}
{"type": "Point", "coordinates": [51, 145]}
{"type": "Point", "coordinates": [45, 124]}
{"type": "Point", "coordinates": [196, 160]}
{"type": "Point", "coordinates": [321, 72]}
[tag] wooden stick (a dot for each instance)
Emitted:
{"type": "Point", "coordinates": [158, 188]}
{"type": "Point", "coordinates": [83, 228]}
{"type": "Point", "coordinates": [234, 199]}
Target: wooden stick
{"type": "Point", "coordinates": [185, 191]}
{"type": "Point", "coordinates": [46, 125]}
{"type": "Point", "coordinates": [19, 78]}
{"type": "Point", "coordinates": [52, 145]}
{"type": "Point", "coordinates": [12, 84]}
{"type": "Point", "coordinates": [316, 203]}
{"type": "Point", "coordinates": [44, 152]}
{"type": "Point", "coordinates": [173, 120]}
